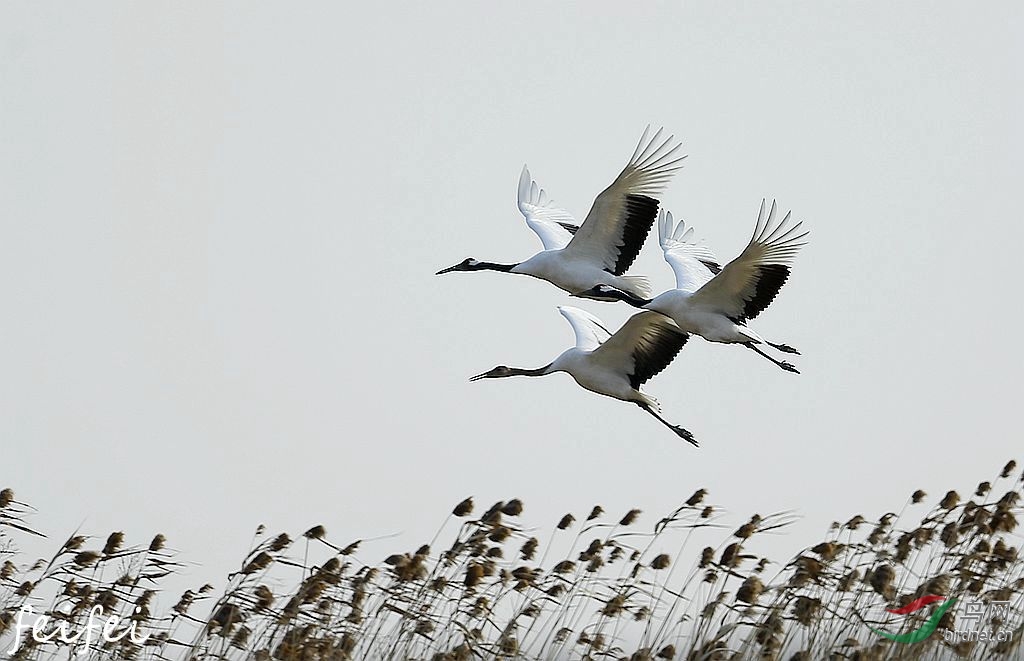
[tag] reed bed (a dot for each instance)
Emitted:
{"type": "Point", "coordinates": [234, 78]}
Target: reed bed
{"type": "Point", "coordinates": [590, 585]}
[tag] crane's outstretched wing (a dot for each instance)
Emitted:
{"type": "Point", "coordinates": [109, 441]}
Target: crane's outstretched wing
{"type": "Point", "coordinates": [749, 283]}
{"type": "Point", "coordinates": [590, 332]}
{"type": "Point", "coordinates": [622, 215]}
{"type": "Point", "coordinates": [693, 263]}
{"type": "Point", "coordinates": [554, 226]}
{"type": "Point", "coordinates": [643, 347]}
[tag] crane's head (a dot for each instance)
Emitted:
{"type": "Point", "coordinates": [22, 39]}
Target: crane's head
{"type": "Point", "coordinates": [496, 373]}
{"type": "Point", "coordinates": [468, 264]}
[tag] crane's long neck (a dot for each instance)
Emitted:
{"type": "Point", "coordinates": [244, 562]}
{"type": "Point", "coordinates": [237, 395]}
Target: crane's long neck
{"type": "Point", "coordinates": [491, 266]}
{"type": "Point", "coordinates": [500, 372]}
{"type": "Point", "coordinates": [620, 295]}
{"type": "Point", "coordinates": [636, 301]}
{"type": "Point", "coordinates": [520, 371]}
{"type": "Point", "coordinates": [608, 293]}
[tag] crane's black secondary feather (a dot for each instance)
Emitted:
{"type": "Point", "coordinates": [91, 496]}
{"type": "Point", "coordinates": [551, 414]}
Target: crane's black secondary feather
{"type": "Point", "coordinates": [641, 212]}
{"type": "Point", "coordinates": [714, 267]}
{"type": "Point", "coordinates": [655, 351]}
{"type": "Point", "coordinates": [767, 284]}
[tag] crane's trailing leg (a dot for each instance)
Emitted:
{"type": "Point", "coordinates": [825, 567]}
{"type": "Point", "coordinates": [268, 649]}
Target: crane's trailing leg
{"type": "Point", "coordinates": [789, 367]}
{"type": "Point", "coordinates": [679, 431]}
{"type": "Point", "coordinates": [784, 348]}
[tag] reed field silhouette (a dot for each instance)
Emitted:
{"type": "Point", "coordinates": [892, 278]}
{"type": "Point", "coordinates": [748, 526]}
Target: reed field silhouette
{"type": "Point", "coordinates": [592, 585]}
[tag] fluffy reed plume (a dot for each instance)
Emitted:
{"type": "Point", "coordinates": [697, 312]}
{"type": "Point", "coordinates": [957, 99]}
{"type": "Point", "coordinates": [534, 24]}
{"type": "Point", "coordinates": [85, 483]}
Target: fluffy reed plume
{"type": "Point", "coordinates": [464, 508]}
{"type": "Point", "coordinates": [693, 586]}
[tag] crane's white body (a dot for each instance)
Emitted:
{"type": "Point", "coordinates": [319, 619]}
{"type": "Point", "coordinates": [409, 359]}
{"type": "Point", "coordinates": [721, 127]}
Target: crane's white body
{"type": "Point", "coordinates": [700, 319]}
{"type": "Point", "coordinates": [574, 273]}
{"type": "Point", "coordinates": [598, 376]}
{"type": "Point", "coordinates": [597, 365]}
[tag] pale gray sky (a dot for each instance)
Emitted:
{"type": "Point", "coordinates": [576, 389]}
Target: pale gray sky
{"type": "Point", "coordinates": [220, 224]}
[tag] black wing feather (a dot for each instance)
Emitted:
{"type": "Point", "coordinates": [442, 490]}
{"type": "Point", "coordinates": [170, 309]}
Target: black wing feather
{"type": "Point", "coordinates": [641, 212]}
{"type": "Point", "coordinates": [714, 267]}
{"type": "Point", "coordinates": [655, 351]}
{"type": "Point", "coordinates": [769, 281]}
{"type": "Point", "coordinates": [569, 227]}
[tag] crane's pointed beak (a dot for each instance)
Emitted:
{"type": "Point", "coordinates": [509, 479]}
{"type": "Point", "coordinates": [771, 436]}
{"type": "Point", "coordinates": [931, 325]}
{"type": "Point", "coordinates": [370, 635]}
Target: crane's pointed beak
{"type": "Point", "coordinates": [447, 270]}
{"type": "Point", "coordinates": [481, 376]}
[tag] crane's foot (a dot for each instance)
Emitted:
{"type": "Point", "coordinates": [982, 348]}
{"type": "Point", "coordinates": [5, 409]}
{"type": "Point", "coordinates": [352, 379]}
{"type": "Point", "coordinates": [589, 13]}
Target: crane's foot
{"type": "Point", "coordinates": [784, 348]}
{"type": "Point", "coordinates": [789, 367]}
{"type": "Point", "coordinates": [685, 435]}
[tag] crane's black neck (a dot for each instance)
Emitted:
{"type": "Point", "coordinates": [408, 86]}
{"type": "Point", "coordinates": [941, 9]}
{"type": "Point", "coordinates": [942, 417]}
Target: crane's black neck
{"type": "Point", "coordinates": [606, 293]}
{"type": "Point", "coordinates": [490, 266]}
{"type": "Point", "coordinates": [635, 301]}
{"type": "Point", "coordinates": [519, 371]}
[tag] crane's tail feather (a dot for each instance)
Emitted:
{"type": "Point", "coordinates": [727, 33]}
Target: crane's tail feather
{"type": "Point", "coordinates": [637, 285]}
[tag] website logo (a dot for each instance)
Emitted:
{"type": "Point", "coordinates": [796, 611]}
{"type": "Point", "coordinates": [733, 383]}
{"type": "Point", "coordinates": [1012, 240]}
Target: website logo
{"type": "Point", "coordinates": [925, 630]}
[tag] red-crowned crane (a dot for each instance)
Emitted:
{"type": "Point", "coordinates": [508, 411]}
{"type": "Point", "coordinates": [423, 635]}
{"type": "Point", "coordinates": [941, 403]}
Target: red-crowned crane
{"type": "Point", "coordinates": [598, 252]}
{"type": "Point", "coordinates": [614, 364]}
{"type": "Point", "coordinates": [716, 302]}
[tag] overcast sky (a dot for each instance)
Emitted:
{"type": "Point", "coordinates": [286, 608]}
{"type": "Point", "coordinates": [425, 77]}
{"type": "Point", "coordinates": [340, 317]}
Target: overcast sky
{"type": "Point", "coordinates": [220, 225]}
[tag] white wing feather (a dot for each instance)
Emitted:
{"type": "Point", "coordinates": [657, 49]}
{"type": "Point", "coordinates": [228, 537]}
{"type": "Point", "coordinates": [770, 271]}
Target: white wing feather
{"type": "Point", "coordinates": [601, 237]}
{"type": "Point", "coordinates": [689, 260]}
{"type": "Point", "coordinates": [542, 216]}
{"type": "Point", "coordinates": [589, 330]}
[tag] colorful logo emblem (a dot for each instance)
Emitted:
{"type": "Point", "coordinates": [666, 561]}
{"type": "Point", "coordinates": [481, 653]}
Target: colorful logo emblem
{"type": "Point", "coordinates": [928, 628]}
